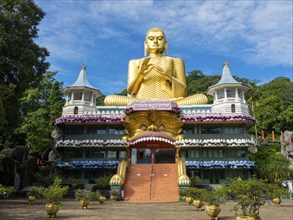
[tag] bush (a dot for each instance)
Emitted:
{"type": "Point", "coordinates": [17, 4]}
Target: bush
{"type": "Point", "coordinates": [279, 192]}
{"type": "Point", "coordinates": [248, 194]}
{"type": "Point", "coordinates": [214, 197]}
{"type": "Point", "coordinates": [195, 193]}
{"type": "Point", "coordinates": [195, 180]}
{"type": "Point", "coordinates": [34, 191]}
{"type": "Point", "coordinates": [271, 164]}
{"type": "Point", "coordinates": [184, 192]}
{"type": "Point", "coordinates": [6, 191]}
{"type": "Point", "coordinates": [94, 196]}
{"type": "Point", "coordinates": [103, 182]}
{"type": "Point", "coordinates": [81, 194]}
{"type": "Point", "coordinates": [115, 195]}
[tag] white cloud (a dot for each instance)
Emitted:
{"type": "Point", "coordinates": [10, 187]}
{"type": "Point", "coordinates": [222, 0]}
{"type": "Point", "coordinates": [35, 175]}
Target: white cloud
{"type": "Point", "coordinates": [259, 32]}
{"type": "Point", "coordinates": [100, 33]}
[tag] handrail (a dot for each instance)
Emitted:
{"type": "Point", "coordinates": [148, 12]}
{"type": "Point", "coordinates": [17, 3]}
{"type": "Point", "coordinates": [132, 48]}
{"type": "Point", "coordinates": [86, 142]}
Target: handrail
{"type": "Point", "coordinates": [119, 178]}
{"type": "Point", "coordinates": [183, 179]}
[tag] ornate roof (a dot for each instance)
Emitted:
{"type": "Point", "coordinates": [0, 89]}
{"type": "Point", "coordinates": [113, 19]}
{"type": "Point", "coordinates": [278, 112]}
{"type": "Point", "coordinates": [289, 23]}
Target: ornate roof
{"type": "Point", "coordinates": [82, 80]}
{"type": "Point", "coordinates": [217, 117]}
{"type": "Point", "coordinates": [198, 143]}
{"type": "Point", "coordinates": [219, 164]}
{"type": "Point", "coordinates": [89, 119]}
{"type": "Point", "coordinates": [227, 79]}
{"type": "Point", "coordinates": [87, 164]}
{"type": "Point", "coordinates": [184, 143]}
{"type": "Point", "coordinates": [117, 143]}
{"type": "Point", "coordinates": [107, 117]}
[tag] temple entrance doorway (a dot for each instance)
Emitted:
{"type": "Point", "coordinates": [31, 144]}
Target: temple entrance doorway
{"type": "Point", "coordinates": [144, 155]}
{"type": "Point", "coordinates": [165, 155]}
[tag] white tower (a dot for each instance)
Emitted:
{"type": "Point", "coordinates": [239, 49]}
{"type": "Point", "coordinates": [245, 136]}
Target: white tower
{"type": "Point", "coordinates": [81, 96]}
{"type": "Point", "coordinates": [229, 94]}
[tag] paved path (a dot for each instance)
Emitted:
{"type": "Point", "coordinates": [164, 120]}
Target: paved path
{"type": "Point", "coordinates": [21, 210]}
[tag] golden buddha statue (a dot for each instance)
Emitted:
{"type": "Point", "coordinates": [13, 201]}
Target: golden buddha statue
{"type": "Point", "coordinates": [157, 76]}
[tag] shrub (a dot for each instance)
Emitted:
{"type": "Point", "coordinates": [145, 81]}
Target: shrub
{"type": "Point", "coordinates": [34, 191]}
{"type": "Point", "coordinates": [248, 194]}
{"type": "Point", "coordinates": [94, 196]}
{"type": "Point", "coordinates": [6, 191]}
{"type": "Point", "coordinates": [103, 182]}
{"type": "Point", "coordinates": [194, 181]}
{"type": "Point", "coordinates": [81, 194]}
{"type": "Point", "coordinates": [214, 197]}
{"type": "Point", "coordinates": [55, 192]}
{"type": "Point", "coordinates": [278, 192]}
{"type": "Point", "coordinates": [194, 193]}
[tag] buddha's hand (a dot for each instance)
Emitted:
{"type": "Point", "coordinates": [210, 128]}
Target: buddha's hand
{"type": "Point", "coordinates": [165, 74]}
{"type": "Point", "coordinates": [145, 67]}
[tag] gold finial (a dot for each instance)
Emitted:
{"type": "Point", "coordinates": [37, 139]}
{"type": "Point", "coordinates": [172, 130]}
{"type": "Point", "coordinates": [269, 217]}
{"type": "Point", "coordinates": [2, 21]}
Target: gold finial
{"type": "Point", "coordinates": [225, 64]}
{"type": "Point", "coordinates": [83, 67]}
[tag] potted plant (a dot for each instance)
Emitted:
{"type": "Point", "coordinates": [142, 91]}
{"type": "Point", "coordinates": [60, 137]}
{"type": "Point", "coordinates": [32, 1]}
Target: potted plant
{"type": "Point", "coordinates": [82, 196]}
{"type": "Point", "coordinates": [53, 195]}
{"type": "Point", "coordinates": [94, 196]}
{"type": "Point", "coordinates": [248, 195]}
{"type": "Point", "coordinates": [277, 193]}
{"type": "Point", "coordinates": [102, 183]}
{"type": "Point", "coordinates": [198, 196]}
{"type": "Point", "coordinates": [183, 194]}
{"type": "Point", "coordinates": [187, 193]}
{"type": "Point", "coordinates": [6, 191]}
{"type": "Point", "coordinates": [102, 199]}
{"type": "Point", "coordinates": [33, 194]}
{"type": "Point", "coordinates": [114, 195]}
{"type": "Point", "coordinates": [213, 199]}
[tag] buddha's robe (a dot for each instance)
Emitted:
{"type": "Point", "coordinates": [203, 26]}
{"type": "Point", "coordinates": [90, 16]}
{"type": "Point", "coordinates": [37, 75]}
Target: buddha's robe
{"type": "Point", "coordinates": [163, 80]}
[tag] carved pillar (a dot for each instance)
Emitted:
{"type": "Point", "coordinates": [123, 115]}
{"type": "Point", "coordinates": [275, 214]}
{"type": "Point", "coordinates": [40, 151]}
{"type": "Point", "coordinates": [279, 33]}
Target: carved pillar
{"type": "Point", "coordinates": [177, 155]}
{"type": "Point", "coordinates": [153, 155]}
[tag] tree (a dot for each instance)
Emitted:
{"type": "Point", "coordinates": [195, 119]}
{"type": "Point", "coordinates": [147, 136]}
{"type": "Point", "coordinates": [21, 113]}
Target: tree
{"type": "Point", "coordinates": [274, 105]}
{"type": "Point", "coordinates": [194, 75]}
{"type": "Point", "coordinates": [271, 164]}
{"type": "Point", "coordinates": [40, 107]}
{"type": "Point", "coordinates": [285, 119]}
{"type": "Point", "coordinates": [267, 111]}
{"type": "Point", "coordinates": [22, 62]}
{"type": "Point", "coordinates": [100, 100]}
{"type": "Point", "coordinates": [281, 87]}
{"type": "Point", "coordinates": [197, 82]}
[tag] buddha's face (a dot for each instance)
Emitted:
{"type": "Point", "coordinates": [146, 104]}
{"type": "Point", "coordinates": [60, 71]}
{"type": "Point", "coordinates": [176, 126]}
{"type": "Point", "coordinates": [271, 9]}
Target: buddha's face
{"type": "Point", "coordinates": [155, 42]}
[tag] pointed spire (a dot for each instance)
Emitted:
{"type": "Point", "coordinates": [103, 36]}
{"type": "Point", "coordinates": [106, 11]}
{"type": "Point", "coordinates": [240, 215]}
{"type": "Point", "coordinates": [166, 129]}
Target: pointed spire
{"type": "Point", "coordinates": [225, 80]}
{"type": "Point", "coordinates": [82, 79]}
{"type": "Point", "coordinates": [227, 77]}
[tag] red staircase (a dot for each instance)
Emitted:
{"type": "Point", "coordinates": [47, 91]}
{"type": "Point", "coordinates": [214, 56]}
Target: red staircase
{"type": "Point", "coordinates": [151, 183]}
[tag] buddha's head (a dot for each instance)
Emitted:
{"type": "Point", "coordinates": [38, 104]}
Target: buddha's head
{"type": "Point", "coordinates": [155, 41]}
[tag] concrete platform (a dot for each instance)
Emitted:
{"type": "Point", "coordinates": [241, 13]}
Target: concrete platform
{"type": "Point", "coordinates": [19, 209]}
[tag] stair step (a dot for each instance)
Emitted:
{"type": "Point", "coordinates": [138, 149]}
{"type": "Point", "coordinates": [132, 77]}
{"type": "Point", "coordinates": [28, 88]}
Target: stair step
{"type": "Point", "coordinates": [151, 182]}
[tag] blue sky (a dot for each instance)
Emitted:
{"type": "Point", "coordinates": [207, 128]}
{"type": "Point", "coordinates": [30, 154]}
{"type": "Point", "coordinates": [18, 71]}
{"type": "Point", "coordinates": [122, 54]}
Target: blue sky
{"type": "Point", "coordinates": [255, 37]}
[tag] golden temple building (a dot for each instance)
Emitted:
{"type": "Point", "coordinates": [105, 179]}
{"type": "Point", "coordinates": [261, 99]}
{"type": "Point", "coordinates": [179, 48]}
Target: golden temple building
{"type": "Point", "coordinates": [155, 140]}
